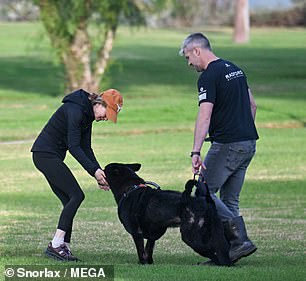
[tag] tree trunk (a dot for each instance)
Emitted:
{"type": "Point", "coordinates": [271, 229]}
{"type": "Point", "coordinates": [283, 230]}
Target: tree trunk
{"type": "Point", "coordinates": [77, 61]}
{"type": "Point", "coordinates": [103, 57]}
{"type": "Point", "coordinates": [242, 22]}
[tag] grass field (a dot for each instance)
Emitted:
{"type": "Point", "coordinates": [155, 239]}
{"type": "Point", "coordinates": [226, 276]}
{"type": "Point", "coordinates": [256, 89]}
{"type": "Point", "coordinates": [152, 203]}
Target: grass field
{"type": "Point", "coordinates": [155, 128]}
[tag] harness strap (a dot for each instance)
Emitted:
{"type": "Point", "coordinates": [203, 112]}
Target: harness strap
{"type": "Point", "coordinates": [153, 184]}
{"type": "Point", "coordinates": [133, 188]}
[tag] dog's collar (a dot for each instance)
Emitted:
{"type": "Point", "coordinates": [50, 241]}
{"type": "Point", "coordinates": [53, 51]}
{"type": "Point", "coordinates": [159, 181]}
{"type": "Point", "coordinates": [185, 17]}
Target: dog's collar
{"type": "Point", "coordinates": [130, 190]}
{"type": "Point", "coordinates": [136, 187]}
{"type": "Point", "coordinates": [133, 188]}
{"type": "Point", "coordinates": [141, 185]}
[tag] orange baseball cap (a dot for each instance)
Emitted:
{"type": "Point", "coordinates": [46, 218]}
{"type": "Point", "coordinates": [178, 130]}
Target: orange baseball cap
{"type": "Point", "coordinates": [114, 102]}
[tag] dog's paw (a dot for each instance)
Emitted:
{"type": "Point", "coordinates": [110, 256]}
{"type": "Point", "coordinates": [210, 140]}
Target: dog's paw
{"type": "Point", "coordinates": [142, 262]}
{"type": "Point", "coordinates": [145, 262]}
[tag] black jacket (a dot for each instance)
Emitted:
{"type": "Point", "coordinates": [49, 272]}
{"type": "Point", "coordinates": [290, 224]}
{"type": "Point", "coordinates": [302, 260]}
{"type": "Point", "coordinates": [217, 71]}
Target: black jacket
{"type": "Point", "coordinates": [70, 128]}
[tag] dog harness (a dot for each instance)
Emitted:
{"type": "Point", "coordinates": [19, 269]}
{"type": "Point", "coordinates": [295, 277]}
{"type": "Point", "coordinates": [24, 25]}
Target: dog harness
{"type": "Point", "coordinates": [146, 188]}
{"type": "Point", "coordinates": [136, 187]}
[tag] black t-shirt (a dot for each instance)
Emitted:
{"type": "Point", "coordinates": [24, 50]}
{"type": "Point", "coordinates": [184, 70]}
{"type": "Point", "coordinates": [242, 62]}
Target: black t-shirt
{"type": "Point", "coordinates": [225, 85]}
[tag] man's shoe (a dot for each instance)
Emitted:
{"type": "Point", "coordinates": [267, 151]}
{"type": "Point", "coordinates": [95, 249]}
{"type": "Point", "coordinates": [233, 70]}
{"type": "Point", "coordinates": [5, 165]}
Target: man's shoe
{"type": "Point", "coordinates": [207, 263]}
{"type": "Point", "coordinates": [240, 245]}
{"type": "Point", "coordinates": [60, 253]}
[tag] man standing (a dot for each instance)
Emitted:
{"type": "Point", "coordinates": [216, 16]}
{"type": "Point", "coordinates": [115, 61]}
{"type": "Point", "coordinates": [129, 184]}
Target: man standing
{"type": "Point", "coordinates": [226, 112]}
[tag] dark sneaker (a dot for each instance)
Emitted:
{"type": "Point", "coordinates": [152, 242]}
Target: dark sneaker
{"type": "Point", "coordinates": [60, 253]}
{"type": "Point", "coordinates": [70, 253]}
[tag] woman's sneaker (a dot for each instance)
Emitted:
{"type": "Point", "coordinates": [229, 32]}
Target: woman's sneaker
{"type": "Point", "coordinates": [60, 253]}
{"type": "Point", "coordinates": [70, 253]}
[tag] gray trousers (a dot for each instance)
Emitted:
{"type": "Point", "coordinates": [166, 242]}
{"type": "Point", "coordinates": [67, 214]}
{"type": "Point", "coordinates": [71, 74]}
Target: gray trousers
{"type": "Point", "coordinates": [226, 165]}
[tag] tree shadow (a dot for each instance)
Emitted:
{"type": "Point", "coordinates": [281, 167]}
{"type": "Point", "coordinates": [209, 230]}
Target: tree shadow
{"type": "Point", "coordinates": [281, 71]}
{"type": "Point", "coordinates": [146, 66]}
{"type": "Point", "coordinates": [31, 75]}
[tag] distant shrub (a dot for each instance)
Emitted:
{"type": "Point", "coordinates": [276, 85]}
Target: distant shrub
{"type": "Point", "coordinates": [289, 18]}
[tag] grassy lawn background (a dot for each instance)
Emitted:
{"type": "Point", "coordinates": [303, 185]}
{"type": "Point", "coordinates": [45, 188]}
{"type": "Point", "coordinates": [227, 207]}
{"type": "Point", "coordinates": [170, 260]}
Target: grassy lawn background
{"type": "Point", "coordinates": [155, 128]}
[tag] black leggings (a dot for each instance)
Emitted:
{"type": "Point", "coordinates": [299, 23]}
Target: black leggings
{"type": "Point", "coordinates": [64, 185]}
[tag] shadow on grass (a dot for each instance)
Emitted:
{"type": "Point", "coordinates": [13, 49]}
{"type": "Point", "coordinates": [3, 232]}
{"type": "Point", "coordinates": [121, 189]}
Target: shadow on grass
{"type": "Point", "coordinates": [281, 72]}
{"type": "Point", "coordinates": [31, 75]}
{"type": "Point", "coordinates": [144, 67]}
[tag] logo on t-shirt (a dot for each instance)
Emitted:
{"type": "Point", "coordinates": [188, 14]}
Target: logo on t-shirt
{"type": "Point", "coordinates": [202, 94]}
{"type": "Point", "coordinates": [234, 75]}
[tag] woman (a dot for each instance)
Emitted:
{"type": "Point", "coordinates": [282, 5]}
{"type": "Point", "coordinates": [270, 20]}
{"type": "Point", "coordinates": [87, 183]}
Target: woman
{"type": "Point", "coordinates": [70, 128]}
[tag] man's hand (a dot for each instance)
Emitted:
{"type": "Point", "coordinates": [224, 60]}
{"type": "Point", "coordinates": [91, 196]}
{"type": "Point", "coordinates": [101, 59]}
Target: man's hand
{"type": "Point", "coordinates": [104, 187]}
{"type": "Point", "coordinates": [197, 164]}
{"type": "Point", "coordinates": [100, 177]}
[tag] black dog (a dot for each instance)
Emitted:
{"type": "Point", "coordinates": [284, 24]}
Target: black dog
{"type": "Point", "coordinates": [201, 228]}
{"type": "Point", "coordinates": [146, 213]}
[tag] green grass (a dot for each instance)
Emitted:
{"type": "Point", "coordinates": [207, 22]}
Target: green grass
{"type": "Point", "coordinates": [155, 128]}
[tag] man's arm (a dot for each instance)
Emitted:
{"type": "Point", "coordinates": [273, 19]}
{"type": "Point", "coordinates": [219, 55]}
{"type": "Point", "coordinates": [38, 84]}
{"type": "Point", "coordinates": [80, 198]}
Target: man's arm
{"type": "Point", "coordinates": [253, 104]}
{"type": "Point", "coordinates": [200, 132]}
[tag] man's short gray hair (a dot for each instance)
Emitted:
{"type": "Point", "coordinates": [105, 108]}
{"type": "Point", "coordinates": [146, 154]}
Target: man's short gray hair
{"type": "Point", "coordinates": [195, 40]}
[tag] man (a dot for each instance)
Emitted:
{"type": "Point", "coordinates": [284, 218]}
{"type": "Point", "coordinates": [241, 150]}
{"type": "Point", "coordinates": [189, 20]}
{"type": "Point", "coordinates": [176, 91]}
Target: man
{"type": "Point", "coordinates": [226, 112]}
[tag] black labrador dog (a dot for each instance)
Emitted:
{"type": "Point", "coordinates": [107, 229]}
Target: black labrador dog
{"type": "Point", "coordinates": [147, 212]}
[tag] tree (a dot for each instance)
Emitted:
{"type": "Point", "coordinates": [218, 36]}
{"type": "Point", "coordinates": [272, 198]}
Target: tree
{"type": "Point", "coordinates": [18, 10]}
{"type": "Point", "coordinates": [69, 24]}
{"type": "Point", "coordinates": [301, 4]}
{"type": "Point", "coordinates": [242, 22]}
{"type": "Point", "coordinates": [196, 13]}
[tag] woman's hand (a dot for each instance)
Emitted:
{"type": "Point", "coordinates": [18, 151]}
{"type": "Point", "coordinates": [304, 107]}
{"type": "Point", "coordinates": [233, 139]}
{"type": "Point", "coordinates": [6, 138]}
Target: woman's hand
{"type": "Point", "coordinates": [100, 177]}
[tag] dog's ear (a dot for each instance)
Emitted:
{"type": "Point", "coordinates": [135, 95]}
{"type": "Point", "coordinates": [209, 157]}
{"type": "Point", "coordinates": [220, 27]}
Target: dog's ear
{"type": "Point", "coordinates": [135, 166]}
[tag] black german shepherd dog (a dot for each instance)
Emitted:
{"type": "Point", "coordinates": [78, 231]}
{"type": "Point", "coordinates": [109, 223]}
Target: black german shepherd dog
{"type": "Point", "coordinates": [147, 212]}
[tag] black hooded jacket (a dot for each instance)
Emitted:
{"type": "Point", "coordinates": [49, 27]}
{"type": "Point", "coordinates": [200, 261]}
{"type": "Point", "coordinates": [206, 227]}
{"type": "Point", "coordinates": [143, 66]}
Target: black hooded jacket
{"type": "Point", "coordinates": [70, 128]}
